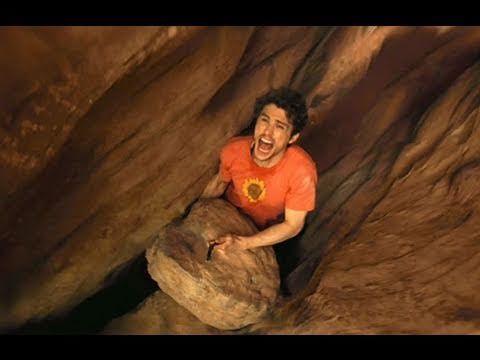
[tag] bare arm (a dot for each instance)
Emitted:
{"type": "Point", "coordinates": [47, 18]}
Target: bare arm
{"type": "Point", "coordinates": [290, 227]}
{"type": "Point", "coordinates": [215, 188]}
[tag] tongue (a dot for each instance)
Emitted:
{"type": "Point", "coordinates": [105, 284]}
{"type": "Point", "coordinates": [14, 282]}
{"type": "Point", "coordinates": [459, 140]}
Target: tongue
{"type": "Point", "coordinates": [264, 146]}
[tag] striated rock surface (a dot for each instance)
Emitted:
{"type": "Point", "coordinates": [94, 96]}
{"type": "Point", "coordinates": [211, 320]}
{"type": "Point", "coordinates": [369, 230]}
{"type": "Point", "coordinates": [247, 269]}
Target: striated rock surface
{"type": "Point", "coordinates": [352, 162]}
{"type": "Point", "coordinates": [51, 78]}
{"type": "Point", "coordinates": [399, 222]}
{"type": "Point", "coordinates": [133, 159]}
{"type": "Point", "coordinates": [235, 288]}
{"type": "Point", "coordinates": [107, 134]}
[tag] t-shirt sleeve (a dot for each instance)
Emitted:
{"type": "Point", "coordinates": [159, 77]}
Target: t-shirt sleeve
{"type": "Point", "coordinates": [226, 160]}
{"type": "Point", "coordinates": [301, 192]}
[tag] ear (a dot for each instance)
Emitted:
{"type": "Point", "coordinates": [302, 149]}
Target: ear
{"type": "Point", "coordinates": [294, 138]}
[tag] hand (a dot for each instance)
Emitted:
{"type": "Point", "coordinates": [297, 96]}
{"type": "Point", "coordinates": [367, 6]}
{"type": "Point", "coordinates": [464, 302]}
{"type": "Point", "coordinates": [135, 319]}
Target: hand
{"type": "Point", "coordinates": [230, 241]}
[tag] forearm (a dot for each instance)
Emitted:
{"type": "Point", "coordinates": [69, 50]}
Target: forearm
{"type": "Point", "coordinates": [215, 188]}
{"type": "Point", "coordinates": [212, 192]}
{"type": "Point", "coordinates": [273, 235]}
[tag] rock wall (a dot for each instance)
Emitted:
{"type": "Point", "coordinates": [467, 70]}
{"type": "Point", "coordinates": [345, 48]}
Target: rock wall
{"type": "Point", "coordinates": [108, 134]}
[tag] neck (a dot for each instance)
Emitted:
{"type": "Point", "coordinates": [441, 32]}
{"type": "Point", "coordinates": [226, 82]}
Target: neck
{"type": "Point", "coordinates": [270, 162]}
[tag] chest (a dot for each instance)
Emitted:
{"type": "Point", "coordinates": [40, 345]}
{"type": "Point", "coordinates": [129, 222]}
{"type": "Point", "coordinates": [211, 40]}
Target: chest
{"type": "Point", "coordinates": [259, 184]}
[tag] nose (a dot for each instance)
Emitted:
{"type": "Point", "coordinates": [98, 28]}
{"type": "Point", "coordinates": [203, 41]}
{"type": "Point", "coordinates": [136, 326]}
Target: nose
{"type": "Point", "coordinates": [269, 130]}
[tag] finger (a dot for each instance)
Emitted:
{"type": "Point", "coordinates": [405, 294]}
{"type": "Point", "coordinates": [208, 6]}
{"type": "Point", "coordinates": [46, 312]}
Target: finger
{"type": "Point", "coordinates": [221, 246]}
{"type": "Point", "coordinates": [225, 244]}
{"type": "Point", "coordinates": [217, 241]}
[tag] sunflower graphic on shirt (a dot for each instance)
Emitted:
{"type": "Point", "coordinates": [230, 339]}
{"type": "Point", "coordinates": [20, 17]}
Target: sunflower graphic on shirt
{"type": "Point", "coordinates": [254, 189]}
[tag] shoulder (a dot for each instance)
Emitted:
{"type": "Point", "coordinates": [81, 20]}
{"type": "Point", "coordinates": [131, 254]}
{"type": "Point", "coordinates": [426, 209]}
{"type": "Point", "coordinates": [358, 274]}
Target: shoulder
{"type": "Point", "coordinates": [301, 159]}
{"type": "Point", "coordinates": [237, 143]}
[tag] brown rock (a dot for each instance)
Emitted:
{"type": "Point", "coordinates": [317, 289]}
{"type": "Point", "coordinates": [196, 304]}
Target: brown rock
{"type": "Point", "coordinates": [107, 134]}
{"type": "Point", "coordinates": [402, 224]}
{"type": "Point", "coordinates": [159, 314]}
{"type": "Point", "coordinates": [53, 76]}
{"type": "Point", "coordinates": [235, 288]}
{"type": "Point", "coordinates": [139, 156]}
{"type": "Point", "coordinates": [353, 170]}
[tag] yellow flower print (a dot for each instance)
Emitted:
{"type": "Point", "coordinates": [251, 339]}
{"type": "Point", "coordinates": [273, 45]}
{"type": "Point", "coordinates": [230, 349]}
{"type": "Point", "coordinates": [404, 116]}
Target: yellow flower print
{"type": "Point", "coordinates": [254, 189]}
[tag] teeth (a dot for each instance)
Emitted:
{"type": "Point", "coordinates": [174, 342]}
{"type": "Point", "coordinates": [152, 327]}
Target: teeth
{"type": "Point", "coordinates": [266, 141]}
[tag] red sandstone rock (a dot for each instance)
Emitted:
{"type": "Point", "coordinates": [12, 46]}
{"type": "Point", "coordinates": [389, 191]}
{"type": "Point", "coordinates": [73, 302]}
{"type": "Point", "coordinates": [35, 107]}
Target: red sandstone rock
{"type": "Point", "coordinates": [235, 288]}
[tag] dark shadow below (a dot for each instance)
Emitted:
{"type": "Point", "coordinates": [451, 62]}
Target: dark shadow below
{"type": "Point", "coordinates": [131, 286]}
{"type": "Point", "coordinates": [128, 289]}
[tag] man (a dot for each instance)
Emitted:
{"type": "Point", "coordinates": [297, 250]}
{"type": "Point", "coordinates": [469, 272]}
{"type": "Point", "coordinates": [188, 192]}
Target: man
{"type": "Point", "coordinates": [266, 176]}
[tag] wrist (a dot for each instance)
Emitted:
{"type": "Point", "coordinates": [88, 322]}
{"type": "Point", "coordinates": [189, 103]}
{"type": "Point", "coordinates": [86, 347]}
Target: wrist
{"type": "Point", "coordinates": [246, 242]}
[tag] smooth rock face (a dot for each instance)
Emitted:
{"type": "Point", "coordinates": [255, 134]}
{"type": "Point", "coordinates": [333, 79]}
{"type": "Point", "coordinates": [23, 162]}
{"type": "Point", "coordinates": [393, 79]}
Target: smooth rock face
{"type": "Point", "coordinates": [235, 288]}
{"type": "Point", "coordinates": [159, 314]}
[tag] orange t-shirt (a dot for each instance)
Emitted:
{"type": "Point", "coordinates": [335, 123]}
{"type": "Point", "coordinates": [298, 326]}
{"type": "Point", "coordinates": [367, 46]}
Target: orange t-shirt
{"type": "Point", "coordinates": [264, 193]}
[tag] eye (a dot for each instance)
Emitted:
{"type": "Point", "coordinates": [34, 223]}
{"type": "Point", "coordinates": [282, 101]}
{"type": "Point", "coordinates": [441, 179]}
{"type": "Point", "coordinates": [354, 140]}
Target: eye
{"type": "Point", "coordinates": [281, 127]}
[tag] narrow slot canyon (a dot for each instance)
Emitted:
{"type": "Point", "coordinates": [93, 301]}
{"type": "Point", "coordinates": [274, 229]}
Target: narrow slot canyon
{"type": "Point", "coordinates": [109, 135]}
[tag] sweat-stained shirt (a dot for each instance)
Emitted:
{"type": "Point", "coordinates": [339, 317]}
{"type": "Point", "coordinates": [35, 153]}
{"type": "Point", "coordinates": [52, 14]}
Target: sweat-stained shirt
{"type": "Point", "coordinates": [264, 193]}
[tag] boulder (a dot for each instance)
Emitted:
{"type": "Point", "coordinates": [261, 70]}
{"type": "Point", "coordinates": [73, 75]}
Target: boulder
{"type": "Point", "coordinates": [232, 290]}
{"type": "Point", "coordinates": [159, 314]}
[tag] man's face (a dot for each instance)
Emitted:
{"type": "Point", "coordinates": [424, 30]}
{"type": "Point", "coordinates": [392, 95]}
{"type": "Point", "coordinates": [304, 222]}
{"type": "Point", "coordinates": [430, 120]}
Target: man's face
{"type": "Point", "coordinates": [273, 133]}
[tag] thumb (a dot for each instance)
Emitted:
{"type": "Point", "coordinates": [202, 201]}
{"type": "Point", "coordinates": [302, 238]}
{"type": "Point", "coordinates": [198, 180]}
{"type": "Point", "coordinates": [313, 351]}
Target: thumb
{"type": "Point", "coordinates": [218, 240]}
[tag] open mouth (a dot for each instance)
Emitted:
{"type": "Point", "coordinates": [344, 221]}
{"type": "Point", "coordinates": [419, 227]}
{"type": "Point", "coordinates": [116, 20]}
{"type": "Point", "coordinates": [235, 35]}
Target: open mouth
{"type": "Point", "coordinates": [265, 145]}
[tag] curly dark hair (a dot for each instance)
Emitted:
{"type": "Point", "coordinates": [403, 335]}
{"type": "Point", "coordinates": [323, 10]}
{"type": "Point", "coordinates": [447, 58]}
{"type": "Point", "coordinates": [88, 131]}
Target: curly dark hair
{"type": "Point", "coordinates": [287, 99]}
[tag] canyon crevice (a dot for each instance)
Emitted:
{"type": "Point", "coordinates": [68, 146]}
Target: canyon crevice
{"type": "Point", "coordinates": [110, 134]}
